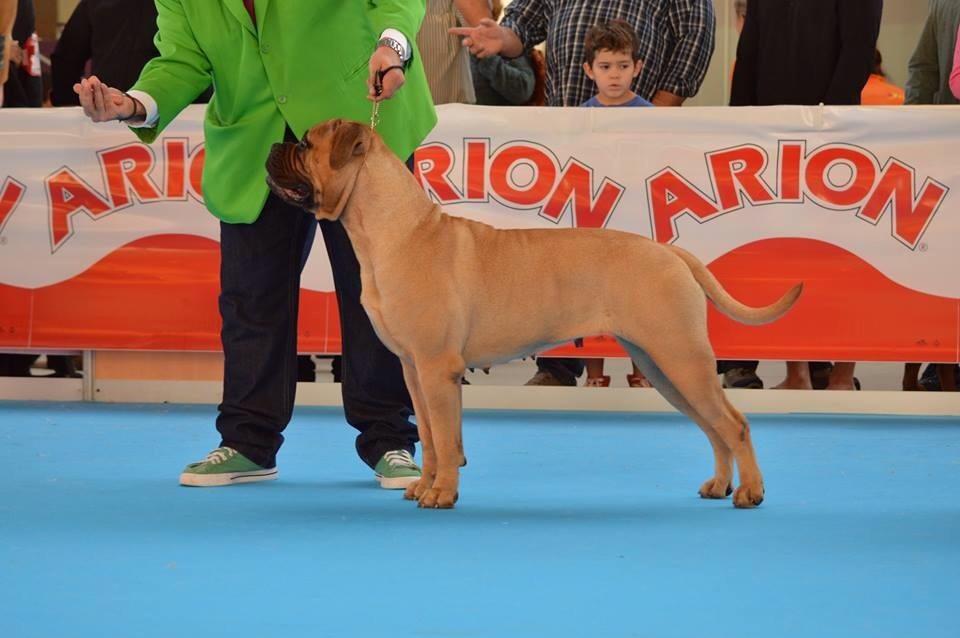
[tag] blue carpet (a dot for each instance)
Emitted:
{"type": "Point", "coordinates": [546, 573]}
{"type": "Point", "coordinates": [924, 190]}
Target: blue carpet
{"type": "Point", "coordinates": [568, 525]}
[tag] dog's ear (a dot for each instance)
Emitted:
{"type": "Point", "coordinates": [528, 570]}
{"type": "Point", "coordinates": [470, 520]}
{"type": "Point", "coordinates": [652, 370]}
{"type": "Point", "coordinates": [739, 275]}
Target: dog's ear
{"type": "Point", "coordinates": [350, 140]}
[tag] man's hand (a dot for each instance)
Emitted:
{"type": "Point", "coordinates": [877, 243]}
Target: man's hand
{"type": "Point", "coordinates": [384, 58]}
{"type": "Point", "coordinates": [666, 98]}
{"type": "Point", "coordinates": [484, 40]}
{"type": "Point", "coordinates": [101, 103]}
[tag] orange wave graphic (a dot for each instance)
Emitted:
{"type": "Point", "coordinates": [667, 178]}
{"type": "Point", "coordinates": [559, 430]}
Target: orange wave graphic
{"type": "Point", "coordinates": [156, 293]}
{"type": "Point", "coordinates": [160, 293]}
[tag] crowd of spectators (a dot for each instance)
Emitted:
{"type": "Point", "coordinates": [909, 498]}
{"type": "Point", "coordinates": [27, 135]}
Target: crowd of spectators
{"type": "Point", "coordinates": [545, 52]}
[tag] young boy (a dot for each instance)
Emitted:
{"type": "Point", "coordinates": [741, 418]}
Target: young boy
{"type": "Point", "coordinates": [613, 63]}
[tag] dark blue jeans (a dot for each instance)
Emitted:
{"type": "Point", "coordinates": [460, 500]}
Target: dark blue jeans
{"type": "Point", "coordinates": [260, 265]}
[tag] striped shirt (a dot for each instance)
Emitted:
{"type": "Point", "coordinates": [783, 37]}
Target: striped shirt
{"type": "Point", "coordinates": [676, 42]}
{"type": "Point", "coordinates": [445, 61]}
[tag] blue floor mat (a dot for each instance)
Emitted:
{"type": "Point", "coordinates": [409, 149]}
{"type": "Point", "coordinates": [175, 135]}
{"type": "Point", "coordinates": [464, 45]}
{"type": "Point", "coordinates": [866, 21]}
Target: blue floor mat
{"type": "Point", "coordinates": [568, 525]}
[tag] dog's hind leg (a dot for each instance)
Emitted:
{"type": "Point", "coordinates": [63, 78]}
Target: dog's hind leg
{"type": "Point", "coordinates": [427, 453]}
{"type": "Point", "coordinates": [686, 359]}
{"type": "Point", "coordinates": [439, 380]}
{"type": "Point", "coordinates": [718, 485]}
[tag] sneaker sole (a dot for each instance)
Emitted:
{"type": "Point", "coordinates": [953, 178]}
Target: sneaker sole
{"type": "Point", "coordinates": [399, 483]}
{"type": "Point", "coordinates": [227, 478]}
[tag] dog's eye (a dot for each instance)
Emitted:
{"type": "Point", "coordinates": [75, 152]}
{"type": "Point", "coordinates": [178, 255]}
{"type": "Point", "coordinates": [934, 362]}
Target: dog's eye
{"type": "Point", "coordinates": [303, 144]}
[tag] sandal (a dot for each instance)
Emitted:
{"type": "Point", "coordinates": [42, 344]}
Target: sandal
{"type": "Point", "coordinates": [597, 382]}
{"type": "Point", "coordinates": [638, 381]}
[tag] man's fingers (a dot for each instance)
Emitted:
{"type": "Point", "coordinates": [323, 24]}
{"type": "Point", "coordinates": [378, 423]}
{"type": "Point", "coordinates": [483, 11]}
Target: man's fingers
{"type": "Point", "coordinates": [479, 51]}
{"type": "Point", "coordinates": [460, 30]}
{"type": "Point", "coordinates": [86, 98]}
{"type": "Point", "coordinates": [392, 82]}
{"type": "Point", "coordinates": [97, 99]}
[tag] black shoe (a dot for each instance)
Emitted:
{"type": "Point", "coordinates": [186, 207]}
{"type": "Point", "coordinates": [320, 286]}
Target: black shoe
{"type": "Point", "coordinates": [544, 377]}
{"type": "Point", "coordinates": [742, 378]}
{"type": "Point", "coordinates": [820, 374]}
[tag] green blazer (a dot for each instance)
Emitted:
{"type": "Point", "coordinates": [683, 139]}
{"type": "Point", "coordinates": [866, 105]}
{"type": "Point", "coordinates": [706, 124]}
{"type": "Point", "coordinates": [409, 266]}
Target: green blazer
{"type": "Point", "coordinates": [305, 61]}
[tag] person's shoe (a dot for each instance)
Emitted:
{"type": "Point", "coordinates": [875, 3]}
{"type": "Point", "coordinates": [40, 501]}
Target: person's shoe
{"type": "Point", "coordinates": [544, 377]}
{"type": "Point", "coordinates": [638, 381]}
{"type": "Point", "coordinates": [597, 382]}
{"type": "Point", "coordinates": [225, 466]}
{"type": "Point", "coordinates": [820, 374]}
{"type": "Point", "coordinates": [742, 378]}
{"type": "Point", "coordinates": [396, 470]}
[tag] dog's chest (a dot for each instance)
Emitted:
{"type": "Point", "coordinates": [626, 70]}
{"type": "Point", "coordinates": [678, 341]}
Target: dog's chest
{"type": "Point", "coordinates": [370, 300]}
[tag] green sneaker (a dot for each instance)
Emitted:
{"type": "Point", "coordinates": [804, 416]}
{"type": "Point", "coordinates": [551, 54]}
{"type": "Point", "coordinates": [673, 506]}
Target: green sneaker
{"type": "Point", "coordinates": [396, 470]}
{"type": "Point", "coordinates": [225, 466]}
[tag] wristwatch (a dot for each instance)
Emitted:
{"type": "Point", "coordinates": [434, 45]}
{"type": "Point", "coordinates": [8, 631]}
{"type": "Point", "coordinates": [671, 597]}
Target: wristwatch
{"type": "Point", "coordinates": [395, 45]}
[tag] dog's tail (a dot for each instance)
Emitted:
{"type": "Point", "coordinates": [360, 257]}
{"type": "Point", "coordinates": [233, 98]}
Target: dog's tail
{"type": "Point", "coordinates": [727, 304]}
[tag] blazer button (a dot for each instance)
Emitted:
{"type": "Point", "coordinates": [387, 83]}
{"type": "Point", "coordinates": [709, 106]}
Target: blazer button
{"type": "Point", "coordinates": [265, 48]}
{"type": "Point", "coordinates": [282, 99]}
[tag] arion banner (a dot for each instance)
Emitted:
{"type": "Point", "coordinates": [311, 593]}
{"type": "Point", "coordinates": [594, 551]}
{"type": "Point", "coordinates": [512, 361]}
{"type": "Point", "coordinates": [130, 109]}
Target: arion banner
{"type": "Point", "coordinates": [105, 243]}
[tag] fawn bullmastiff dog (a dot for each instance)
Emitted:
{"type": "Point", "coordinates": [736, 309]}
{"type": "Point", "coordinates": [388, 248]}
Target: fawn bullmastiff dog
{"type": "Point", "coordinates": [446, 293]}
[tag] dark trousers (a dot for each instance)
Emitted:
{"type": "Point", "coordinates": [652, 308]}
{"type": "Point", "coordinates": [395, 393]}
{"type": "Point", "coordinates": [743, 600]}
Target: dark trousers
{"type": "Point", "coordinates": [259, 297]}
{"type": "Point", "coordinates": [565, 369]}
{"type": "Point", "coordinates": [725, 366]}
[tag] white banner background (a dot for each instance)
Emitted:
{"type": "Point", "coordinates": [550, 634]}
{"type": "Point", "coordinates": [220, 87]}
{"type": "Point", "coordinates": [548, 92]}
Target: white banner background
{"type": "Point", "coordinates": [617, 151]}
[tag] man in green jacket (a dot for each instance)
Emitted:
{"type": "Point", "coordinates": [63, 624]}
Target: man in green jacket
{"type": "Point", "coordinates": [278, 68]}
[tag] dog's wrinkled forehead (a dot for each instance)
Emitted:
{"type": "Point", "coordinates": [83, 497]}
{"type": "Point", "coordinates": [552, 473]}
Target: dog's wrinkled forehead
{"type": "Point", "coordinates": [337, 141]}
{"type": "Point", "coordinates": [323, 133]}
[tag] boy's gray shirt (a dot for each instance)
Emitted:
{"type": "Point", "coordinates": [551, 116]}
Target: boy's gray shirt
{"type": "Point", "coordinates": [932, 61]}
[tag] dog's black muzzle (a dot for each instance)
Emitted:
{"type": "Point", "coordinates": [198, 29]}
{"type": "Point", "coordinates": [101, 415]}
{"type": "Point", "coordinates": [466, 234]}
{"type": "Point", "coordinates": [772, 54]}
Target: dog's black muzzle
{"type": "Point", "coordinates": [286, 177]}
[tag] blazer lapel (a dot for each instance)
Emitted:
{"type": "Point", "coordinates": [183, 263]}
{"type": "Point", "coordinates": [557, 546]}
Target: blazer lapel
{"type": "Point", "coordinates": [260, 8]}
{"type": "Point", "coordinates": [240, 13]}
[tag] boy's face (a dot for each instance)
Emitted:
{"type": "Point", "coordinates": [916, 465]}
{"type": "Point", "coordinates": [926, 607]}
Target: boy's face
{"type": "Point", "coordinates": [613, 72]}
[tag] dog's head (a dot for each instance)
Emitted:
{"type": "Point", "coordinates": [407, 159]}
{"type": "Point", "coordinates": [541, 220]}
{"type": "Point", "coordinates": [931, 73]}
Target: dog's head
{"type": "Point", "coordinates": [319, 172]}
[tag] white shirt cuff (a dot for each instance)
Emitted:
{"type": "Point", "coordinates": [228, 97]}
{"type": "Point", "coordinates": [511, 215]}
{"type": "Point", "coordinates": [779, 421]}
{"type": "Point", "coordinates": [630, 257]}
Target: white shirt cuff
{"type": "Point", "coordinates": [150, 105]}
{"type": "Point", "coordinates": [402, 39]}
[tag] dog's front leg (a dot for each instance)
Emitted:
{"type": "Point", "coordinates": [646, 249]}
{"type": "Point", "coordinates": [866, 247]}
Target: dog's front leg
{"type": "Point", "coordinates": [428, 455]}
{"type": "Point", "coordinates": [440, 384]}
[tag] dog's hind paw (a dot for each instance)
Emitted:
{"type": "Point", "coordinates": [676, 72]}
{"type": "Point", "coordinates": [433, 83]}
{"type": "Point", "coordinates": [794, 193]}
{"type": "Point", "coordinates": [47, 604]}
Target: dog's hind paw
{"type": "Point", "coordinates": [715, 488]}
{"type": "Point", "coordinates": [747, 497]}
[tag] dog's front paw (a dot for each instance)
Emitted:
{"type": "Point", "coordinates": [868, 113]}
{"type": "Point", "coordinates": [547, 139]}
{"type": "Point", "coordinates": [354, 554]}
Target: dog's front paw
{"type": "Point", "coordinates": [410, 493]}
{"type": "Point", "coordinates": [438, 498]}
{"type": "Point", "coordinates": [747, 496]}
{"type": "Point", "coordinates": [715, 488]}
{"type": "Point", "coordinates": [415, 490]}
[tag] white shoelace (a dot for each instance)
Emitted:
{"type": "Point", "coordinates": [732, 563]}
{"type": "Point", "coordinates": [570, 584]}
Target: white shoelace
{"type": "Point", "coordinates": [399, 458]}
{"type": "Point", "coordinates": [219, 455]}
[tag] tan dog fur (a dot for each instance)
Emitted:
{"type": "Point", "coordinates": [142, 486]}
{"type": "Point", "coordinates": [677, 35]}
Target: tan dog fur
{"type": "Point", "coordinates": [446, 293]}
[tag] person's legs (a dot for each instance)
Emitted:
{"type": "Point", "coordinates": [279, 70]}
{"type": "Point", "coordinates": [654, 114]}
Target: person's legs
{"type": "Point", "coordinates": [375, 397]}
{"type": "Point", "coordinates": [16, 365]}
{"type": "Point", "coordinates": [595, 376]}
{"type": "Point", "coordinates": [63, 366]}
{"type": "Point", "coordinates": [798, 377]}
{"type": "Point", "coordinates": [259, 300]}
{"type": "Point", "coordinates": [842, 376]}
